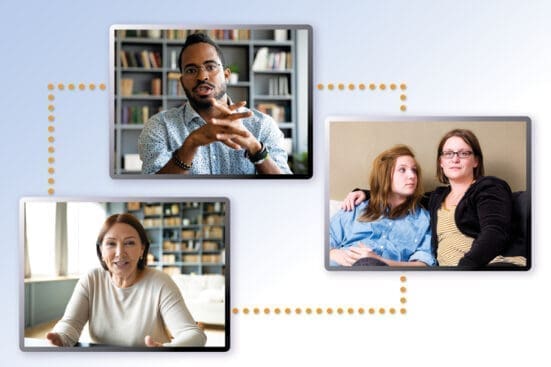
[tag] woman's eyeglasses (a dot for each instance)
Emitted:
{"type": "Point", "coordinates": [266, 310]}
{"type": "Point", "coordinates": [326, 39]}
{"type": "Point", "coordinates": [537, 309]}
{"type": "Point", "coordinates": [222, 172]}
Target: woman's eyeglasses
{"type": "Point", "coordinates": [462, 154]}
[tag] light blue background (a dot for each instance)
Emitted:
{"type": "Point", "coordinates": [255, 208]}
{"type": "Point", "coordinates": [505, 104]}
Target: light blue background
{"type": "Point", "coordinates": [457, 58]}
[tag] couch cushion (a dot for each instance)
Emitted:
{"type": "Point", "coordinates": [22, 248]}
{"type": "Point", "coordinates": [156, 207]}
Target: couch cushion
{"type": "Point", "coordinates": [520, 233]}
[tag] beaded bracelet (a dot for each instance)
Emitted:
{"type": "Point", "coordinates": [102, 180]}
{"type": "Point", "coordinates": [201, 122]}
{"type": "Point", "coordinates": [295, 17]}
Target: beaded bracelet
{"type": "Point", "coordinates": [179, 163]}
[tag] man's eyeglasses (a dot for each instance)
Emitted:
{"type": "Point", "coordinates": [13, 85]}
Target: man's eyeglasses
{"type": "Point", "coordinates": [462, 154]}
{"type": "Point", "coordinates": [210, 67]}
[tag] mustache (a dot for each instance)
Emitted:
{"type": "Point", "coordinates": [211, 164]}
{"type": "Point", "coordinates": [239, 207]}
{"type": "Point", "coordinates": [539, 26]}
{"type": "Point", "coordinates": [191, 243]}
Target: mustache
{"type": "Point", "coordinates": [202, 82]}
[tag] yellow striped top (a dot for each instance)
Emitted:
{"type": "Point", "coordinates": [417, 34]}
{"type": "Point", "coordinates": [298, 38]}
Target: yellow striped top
{"type": "Point", "coordinates": [452, 244]}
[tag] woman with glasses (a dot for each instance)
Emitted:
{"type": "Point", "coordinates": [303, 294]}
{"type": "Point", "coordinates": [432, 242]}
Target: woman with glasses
{"type": "Point", "coordinates": [471, 215]}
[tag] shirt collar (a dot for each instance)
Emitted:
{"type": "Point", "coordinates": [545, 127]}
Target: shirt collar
{"type": "Point", "coordinates": [191, 115]}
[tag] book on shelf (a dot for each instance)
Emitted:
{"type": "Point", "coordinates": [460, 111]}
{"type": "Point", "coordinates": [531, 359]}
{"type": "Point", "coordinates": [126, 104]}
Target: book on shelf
{"type": "Point", "coordinates": [141, 59]}
{"type": "Point", "coordinates": [230, 34]}
{"type": "Point", "coordinates": [135, 114]}
{"type": "Point", "coordinates": [280, 35]}
{"type": "Point", "coordinates": [169, 245]}
{"type": "Point", "coordinates": [267, 59]}
{"type": "Point", "coordinates": [190, 258]}
{"type": "Point", "coordinates": [174, 59]}
{"type": "Point", "coordinates": [152, 210]}
{"type": "Point", "coordinates": [210, 258]}
{"type": "Point", "coordinates": [278, 86]}
{"type": "Point", "coordinates": [156, 86]}
{"type": "Point", "coordinates": [151, 222]}
{"type": "Point", "coordinates": [210, 246]}
{"type": "Point", "coordinates": [154, 59]}
{"type": "Point", "coordinates": [176, 34]}
{"type": "Point", "coordinates": [216, 34]}
{"type": "Point", "coordinates": [127, 88]}
{"type": "Point", "coordinates": [174, 86]}
{"type": "Point", "coordinates": [137, 33]}
{"type": "Point", "coordinates": [213, 232]}
{"type": "Point", "coordinates": [169, 259]}
{"type": "Point", "coordinates": [133, 205]}
{"type": "Point", "coordinates": [124, 59]}
{"type": "Point", "coordinates": [277, 111]}
{"type": "Point", "coordinates": [144, 59]}
{"type": "Point", "coordinates": [145, 114]}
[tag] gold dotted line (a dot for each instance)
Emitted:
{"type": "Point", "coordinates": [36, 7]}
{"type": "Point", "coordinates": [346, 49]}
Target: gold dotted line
{"type": "Point", "coordinates": [51, 128]}
{"type": "Point", "coordinates": [328, 310]}
{"type": "Point", "coordinates": [403, 290]}
{"type": "Point", "coordinates": [51, 140]}
{"type": "Point", "coordinates": [371, 86]}
{"type": "Point", "coordinates": [318, 311]}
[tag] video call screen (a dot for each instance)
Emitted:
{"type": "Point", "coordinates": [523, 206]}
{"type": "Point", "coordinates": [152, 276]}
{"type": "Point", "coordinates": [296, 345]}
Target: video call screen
{"type": "Point", "coordinates": [270, 69]}
{"type": "Point", "coordinates": [180, 295]}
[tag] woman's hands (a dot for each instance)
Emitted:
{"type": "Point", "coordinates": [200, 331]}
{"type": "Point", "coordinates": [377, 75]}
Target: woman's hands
{"type": "Point", "coordinates": [361, 251]}
{"type": "Point", "coordinates": [353, 199]}
{"type": "Point", "coordinates": [54, 339]}
{"type": "Point", "coordinates": [152, 343]}
{"type": "Point", "coordinates": [352, 254]}
{"type": "Point", "coordinates": [342, 257]}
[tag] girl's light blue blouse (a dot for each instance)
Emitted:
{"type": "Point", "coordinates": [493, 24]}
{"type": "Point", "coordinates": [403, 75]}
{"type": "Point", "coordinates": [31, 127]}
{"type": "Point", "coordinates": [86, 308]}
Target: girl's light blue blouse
{"type": "Point", "coordinates": [404, 239]}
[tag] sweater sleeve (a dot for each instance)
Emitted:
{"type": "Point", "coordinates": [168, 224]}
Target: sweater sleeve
{"type": "Point", "coordinates": [494, 209]}
{"type": "Point", "coordinates": [178, 319]}
{"type": "Point", "coordinates": [76, 314]}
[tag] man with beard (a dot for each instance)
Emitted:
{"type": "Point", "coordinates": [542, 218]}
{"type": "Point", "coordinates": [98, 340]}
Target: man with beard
{"type": "Point", "coordinates": [210, 134]}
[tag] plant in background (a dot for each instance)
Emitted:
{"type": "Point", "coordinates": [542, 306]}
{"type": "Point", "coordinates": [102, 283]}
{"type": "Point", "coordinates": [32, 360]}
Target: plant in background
{"type": "Point", "coordinates": [300, 163]}
{"type": "Point", "coordinates": [234, 76]}
{"type": "Point", "coordinates": [233, 68]}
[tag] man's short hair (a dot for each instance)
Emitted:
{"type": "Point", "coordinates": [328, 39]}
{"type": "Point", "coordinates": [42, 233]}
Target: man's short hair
{"type": "Point", "coordinates": [200, 38]}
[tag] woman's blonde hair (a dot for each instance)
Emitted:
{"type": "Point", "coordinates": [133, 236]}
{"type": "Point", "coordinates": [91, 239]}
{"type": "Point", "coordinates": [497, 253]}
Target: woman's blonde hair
{"type": "Point", "coordinates": [380, 186]}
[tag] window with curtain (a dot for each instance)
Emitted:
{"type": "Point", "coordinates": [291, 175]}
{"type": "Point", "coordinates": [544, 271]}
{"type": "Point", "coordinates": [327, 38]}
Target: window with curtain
{"type": "Point", "coordinates": [40, 237]}
{"type": "Point", "coordinates": [84, 221]}
{"type": "Point", "coordinates": [60, 237]}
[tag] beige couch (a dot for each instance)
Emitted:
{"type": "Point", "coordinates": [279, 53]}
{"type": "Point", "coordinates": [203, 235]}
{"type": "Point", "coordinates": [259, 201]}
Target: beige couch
{"type": "Point", "coordinates": [204, 296]}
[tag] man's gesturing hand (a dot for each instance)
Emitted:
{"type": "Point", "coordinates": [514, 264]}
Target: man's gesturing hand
{"type": "Point", "coordinates": [224, 125]}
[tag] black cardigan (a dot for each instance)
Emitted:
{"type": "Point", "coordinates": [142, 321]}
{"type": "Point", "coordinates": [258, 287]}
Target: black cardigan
{"type": "Point", "coordinates": [484, 213]}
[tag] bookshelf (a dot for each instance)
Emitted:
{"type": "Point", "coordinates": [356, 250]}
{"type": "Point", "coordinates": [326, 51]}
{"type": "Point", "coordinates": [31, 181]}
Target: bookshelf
{"type": "Point", "coordinates": [147, 80]}
{"type": "Point", "coordinates": [185, 237]}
